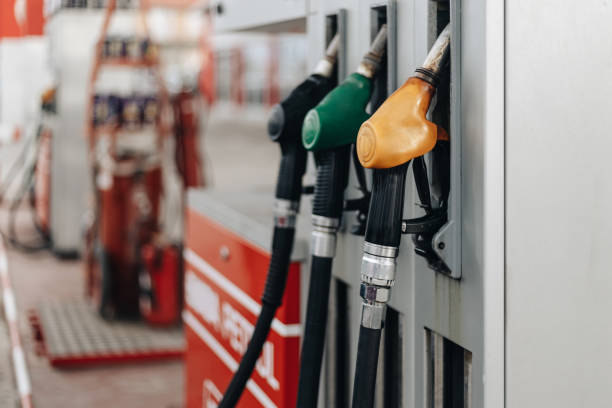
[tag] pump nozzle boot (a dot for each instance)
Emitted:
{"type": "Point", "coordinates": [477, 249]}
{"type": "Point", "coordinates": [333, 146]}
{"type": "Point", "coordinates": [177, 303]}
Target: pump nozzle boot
{"type": "Point", "coordinates": [399, 130]}
{"type": "Point", "coordinates": [336, 120]}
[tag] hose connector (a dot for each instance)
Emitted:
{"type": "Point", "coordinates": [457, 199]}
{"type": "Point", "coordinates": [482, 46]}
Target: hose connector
{"type": "Point", "coordinates": [378, 267]}
{"type": "Point", "coordinates": [371, 61]}
{"type": "Point", "coordinates": [285, 213]}
{"type": "Point", "coordinates": [325, 67]}
{"type": "Point", "coordinates": [323, 237]}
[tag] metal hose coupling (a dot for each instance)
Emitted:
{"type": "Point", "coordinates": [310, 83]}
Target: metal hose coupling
{"type": "Point", "coordinates": [285, 213]}
{"type": "Point", "coordinates": [377, 277]}
{"type": "Point", "coordinates": [325, 67]}
{"type": "Point", "coordinates": [323, 237]}
{"type": "Point", "coordinates": [371, 61]}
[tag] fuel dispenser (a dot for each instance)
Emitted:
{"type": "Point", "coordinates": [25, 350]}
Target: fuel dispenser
{"type": "Point", "coordinates": [330, 131]}
{"type": "Point", "coordinates": [397, 133]}
{"type": "Point", "coordinates": [129, 194]}
{"type": "Point", "coordinates": [284, 127]}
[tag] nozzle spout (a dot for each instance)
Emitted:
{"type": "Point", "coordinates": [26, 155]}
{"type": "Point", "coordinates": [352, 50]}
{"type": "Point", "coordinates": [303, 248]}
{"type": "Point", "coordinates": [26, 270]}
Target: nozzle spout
{"type": "Point", "coordinates": [436, 59]}
{"type": "Point", "coordinates": [371, 61]}
{"type": "Point", "coordinates": [325, 67]}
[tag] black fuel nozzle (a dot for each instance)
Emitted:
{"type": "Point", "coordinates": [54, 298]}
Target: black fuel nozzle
{"type": "Point", "coordinates": [285, 123]}
{"type": "Point", "coordinates": [284, 127]}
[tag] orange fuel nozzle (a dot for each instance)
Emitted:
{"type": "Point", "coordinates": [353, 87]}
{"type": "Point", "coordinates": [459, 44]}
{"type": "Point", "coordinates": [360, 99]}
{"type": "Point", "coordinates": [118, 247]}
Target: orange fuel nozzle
{"type": "Point", "coordinates": [399, 130]}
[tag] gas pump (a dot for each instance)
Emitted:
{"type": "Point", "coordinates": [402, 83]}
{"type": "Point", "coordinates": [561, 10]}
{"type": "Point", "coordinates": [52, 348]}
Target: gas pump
{"type": "Point", "coordinates": [284, 127]}
{"type": "Point", "coordinates": [329, 131]}
{"type": "Point", "coordinates": [397, 133]}
{"type": "Point", "coordinates": [130, 192]}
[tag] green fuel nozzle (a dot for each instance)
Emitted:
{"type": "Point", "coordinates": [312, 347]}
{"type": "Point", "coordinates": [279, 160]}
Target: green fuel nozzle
{"type": "Point", "coordinates": [335, 121]}
{"type": "Point", "coordinates": [330, 129]}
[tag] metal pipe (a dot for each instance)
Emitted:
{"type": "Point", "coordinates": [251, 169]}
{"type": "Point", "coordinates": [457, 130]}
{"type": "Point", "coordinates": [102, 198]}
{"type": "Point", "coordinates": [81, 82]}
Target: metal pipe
{"type": "Point", "coordinates": [325, 67]}
{"type": "Point", "coordinates": [436, 58]}
{"type": "Point", "coordinates": [371, 61]}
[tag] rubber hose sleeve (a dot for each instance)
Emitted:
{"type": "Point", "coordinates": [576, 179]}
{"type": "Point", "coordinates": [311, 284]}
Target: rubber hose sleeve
{"type": "Point", "coordinates": [291, 171]}
{"type": "Point", "coordinates": [247, 364]}
{"type": "Point", "coordinates": [282, 246]}
{"type": "Point", "coordinates": [314, 332]}
{"type": "Point", "coordinates": [332, 178]}
{"type": "Point", "coordinates": [365, 370]}
{"type": "Point", "coordinates": [384, 225]}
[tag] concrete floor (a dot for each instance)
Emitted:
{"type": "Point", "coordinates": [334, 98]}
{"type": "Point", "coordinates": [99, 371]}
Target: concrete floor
{"type": "Point", "coordinates": [238, 153]}
{"type": "Point", "coordinates": [238, 156]}
{"type": "Point", "coordinates": [42, 276]}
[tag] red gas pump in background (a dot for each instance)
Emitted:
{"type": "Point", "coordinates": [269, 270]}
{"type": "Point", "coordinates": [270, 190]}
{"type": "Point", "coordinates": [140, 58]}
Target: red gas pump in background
{"type": "Point", "coordinates": [129, 199]}
{"type": "Point", "coordinates": [133, 271]}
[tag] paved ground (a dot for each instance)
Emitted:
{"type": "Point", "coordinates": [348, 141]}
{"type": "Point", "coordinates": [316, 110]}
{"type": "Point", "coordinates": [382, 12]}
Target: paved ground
{"type": "Point", "coordinates": [8, 390]}
{"type": "Point", "coordinates": [238, 156]}
{"type": "Point", "coordinates": [42, 276]}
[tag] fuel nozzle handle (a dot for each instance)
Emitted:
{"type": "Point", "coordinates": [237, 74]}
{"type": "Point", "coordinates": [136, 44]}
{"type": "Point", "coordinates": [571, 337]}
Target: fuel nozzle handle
{"type": "Point", "coordinates": [399, 130]}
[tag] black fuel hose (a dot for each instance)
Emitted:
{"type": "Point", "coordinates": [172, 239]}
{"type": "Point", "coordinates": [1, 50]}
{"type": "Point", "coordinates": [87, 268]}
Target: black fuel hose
{"type": "Point", "coordinates": [284, 127]}
{"type": "Point", "coordinates": [384, 225]}
{"type": "Point", "coordinates": [332, 179]}
{"type": "Point", "coordinates": [384, 228]}
{"type": "Point", "coordinates": [314, 332]}
{"type": "Point", "coordinates": [275, 285]}
{"type": "Point", "coordinates": [365, 370]}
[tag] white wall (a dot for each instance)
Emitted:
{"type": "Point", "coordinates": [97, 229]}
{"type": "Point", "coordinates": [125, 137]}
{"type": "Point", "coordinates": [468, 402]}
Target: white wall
{"type": "Point", "coordinates": [24, 75]}
{"type": "Point", "coordinates": [558, 192]}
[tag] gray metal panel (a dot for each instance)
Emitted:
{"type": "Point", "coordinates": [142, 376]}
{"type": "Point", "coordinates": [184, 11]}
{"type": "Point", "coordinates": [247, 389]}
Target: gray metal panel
{"type": "Point", "coordinates": [268, 15]}
{"type": "Point", "coordinates": [558, 119]}
{"type": "Point", "coordinates": [447, 242]}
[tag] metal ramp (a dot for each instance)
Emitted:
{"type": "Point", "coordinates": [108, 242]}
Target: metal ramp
{"type": "Point", "coordinates": [71, 333]}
